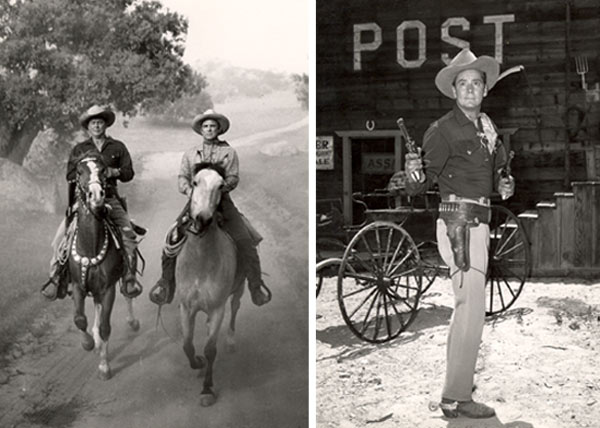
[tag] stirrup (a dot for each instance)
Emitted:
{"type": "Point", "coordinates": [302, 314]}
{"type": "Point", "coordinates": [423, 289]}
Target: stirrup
{"type": "Point", "coordinates": [258, 291]}
{"type": "Point", "coordinates": [137, 289]}
{"type": "Point", "coordinates": [50, 297]}
{"type": "Point", "coordinates": [159, 294]}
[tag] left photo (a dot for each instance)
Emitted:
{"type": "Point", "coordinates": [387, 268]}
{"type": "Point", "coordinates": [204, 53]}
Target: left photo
{"type": "Point", "coordinates": [154, 193]}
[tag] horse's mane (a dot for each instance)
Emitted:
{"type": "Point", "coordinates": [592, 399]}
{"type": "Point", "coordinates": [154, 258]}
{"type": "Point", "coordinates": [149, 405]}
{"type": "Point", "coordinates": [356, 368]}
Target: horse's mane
{"type": "Point", "coordinates": [97, 157]}
{"type": "Point", "coordinates": [208, 165]}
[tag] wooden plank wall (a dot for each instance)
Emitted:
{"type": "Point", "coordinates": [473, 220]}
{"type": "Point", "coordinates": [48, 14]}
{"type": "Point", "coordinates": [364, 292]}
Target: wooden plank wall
{"type": "Point", "coordinates": [536, 102]}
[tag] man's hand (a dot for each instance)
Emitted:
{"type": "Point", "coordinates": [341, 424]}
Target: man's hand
{"type": "Point", "coordinates": [414, 168]}
{"type": "Point", "coordinates": [506, 187]}
{"type": "Point", "coordinates": [112, 172]}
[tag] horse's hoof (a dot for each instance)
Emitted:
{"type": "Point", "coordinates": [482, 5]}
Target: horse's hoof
{"type": "Point", "coordinates": [87, 343]}
{"type": "Point", "coordinates": [207, 400]}
{"type": "Point", "coordinates": [104, 375]}
{"type": "Point", "coordinates": [198, 363]}
{"type": "Point", "coordinates": [134, 325]}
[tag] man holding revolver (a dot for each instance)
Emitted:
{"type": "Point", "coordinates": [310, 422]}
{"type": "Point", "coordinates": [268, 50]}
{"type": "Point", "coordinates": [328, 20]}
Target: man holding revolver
{"type": "Point", "coordinates": [464, 156]}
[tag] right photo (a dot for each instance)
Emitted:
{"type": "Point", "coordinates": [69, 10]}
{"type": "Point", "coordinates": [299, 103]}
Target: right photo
{"type": "Point", "coordinates": [457, 213]}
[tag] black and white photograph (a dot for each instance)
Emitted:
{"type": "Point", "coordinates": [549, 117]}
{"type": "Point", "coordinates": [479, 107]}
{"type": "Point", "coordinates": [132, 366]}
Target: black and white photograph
{"type": "Point", "coordinates": [457, 229]}
{"type": "Point", "coordinates": [154, 167]}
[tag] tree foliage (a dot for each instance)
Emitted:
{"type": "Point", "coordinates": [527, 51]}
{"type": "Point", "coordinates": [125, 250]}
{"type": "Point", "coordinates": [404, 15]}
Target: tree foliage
{"type": "Point", "coordinates": [301, 89]}
{"type": "Point", "coordinates": [58, 57]}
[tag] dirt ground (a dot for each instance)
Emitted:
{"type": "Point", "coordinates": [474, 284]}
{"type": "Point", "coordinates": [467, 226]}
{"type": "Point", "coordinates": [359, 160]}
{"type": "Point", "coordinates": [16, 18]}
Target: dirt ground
{"type": "Point", "coordinates": [538, 363]}
{"type": "Point", "coordinates": [48, 380]}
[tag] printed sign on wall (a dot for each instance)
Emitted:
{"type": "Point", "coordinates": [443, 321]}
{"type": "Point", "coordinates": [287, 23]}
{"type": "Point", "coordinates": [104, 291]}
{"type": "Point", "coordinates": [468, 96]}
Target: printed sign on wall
{"type": "Point", "coordinates": [325, 153]}
{"type": "Point", "coordinates": [378, 163]}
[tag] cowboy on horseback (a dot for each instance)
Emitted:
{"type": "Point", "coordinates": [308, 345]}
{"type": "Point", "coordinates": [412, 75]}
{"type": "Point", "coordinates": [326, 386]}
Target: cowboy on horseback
{"type": "Point", "coordinates": [213, 151]}
{"type": "Point", "coordinates": [118, 167]}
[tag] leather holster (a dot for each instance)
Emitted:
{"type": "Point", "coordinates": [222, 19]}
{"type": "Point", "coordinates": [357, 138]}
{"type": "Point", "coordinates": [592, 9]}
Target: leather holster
{"type": "Point", "coordinates": [459, 217]}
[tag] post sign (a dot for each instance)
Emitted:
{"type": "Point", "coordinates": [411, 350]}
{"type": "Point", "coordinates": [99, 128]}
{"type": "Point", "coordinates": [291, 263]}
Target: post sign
{"type": "Point", "coordinates": [378, 163]}
{"type": "Point", "coordinates": [325, 153]}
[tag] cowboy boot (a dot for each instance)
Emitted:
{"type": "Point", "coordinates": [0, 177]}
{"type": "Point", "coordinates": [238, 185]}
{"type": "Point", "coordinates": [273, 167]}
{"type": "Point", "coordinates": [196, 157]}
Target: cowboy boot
{"type": "Point", "coordinates": [130, 287]}
{"type": "Point", "coordinates": [251, 261]}
{"type": "Point", "coordinates": [57, 285]}
{"type": "Point", "coordinates": [164, 290]}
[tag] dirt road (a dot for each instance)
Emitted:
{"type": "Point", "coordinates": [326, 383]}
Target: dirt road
{"type": "Point", "coordinates": [537, 365]}
{"type": "Point", "coordinates": [53, 383]}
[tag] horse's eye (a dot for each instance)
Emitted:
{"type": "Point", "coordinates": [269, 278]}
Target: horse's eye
{"type": "Point", "coordinates": [194, 183]}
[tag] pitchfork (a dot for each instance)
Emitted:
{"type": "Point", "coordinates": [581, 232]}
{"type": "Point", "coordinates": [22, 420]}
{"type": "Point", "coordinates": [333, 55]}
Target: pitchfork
{"type": "Point", "coordinates": [581, 65]}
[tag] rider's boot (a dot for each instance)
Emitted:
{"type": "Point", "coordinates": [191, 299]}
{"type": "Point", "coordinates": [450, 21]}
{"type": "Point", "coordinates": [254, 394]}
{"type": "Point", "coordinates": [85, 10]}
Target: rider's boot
{"type": "Point", "coordinates": [130, 286]}
{"type": "Point", "coordinates": [252, 263]}
{"type": "Point", "coordinates": [164, 290]}
{"type": "Point", "coordinates": [50, 289]}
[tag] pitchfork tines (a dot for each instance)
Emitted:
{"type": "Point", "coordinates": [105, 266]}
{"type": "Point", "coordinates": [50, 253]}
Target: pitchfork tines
{"type": "Point", "coordinates": [581, 64]}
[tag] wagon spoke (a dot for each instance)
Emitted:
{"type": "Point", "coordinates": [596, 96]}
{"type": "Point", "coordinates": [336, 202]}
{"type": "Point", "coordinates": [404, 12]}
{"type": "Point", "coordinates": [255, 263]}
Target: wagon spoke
{"type": "Point", "coordinates": [406, 256]}
{"type": "Point", "coordinates": [387, 315]}
{"type": "Point", "coordinates": [376, 266]}
{"type": "Point", "coordinates": [358, 276]}
{"type": "Point", "coordinates": [360, 305]}
{"type": "Point", "coordinates": [500, 253]}
{"type": "Point", "coordinates": [377, 319]}
{"type": "Point", "coordinates": [360, 290]}
{"type": "Point", "coordinates": [366, 320]}
{"type": "Point", "coordinates": [396, 251]}
{"type": "Point", "coordinates": [387, 247]}
{"type": "Point", "coordinates": [404, 273]}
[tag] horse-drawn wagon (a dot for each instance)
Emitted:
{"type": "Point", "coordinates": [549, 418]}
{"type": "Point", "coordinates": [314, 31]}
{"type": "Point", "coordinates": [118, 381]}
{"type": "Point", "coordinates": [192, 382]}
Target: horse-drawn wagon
{"type": "Point", "coordinates": [386, 262]}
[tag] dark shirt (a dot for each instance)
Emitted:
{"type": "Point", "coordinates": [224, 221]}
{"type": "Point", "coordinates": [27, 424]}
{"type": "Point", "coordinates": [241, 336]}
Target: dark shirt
{"type": "Point", "coordinates": [115, 155]}
{"type": "Point", "coordinates": [455, 158]}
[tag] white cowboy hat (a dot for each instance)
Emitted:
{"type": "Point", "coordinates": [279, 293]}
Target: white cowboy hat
{"type": "Point", "coordinates": [466, 60]}
{"type": "Point", "coordinates": [97, 111]}
{"type": "Point", "coordinates": [210, 114]}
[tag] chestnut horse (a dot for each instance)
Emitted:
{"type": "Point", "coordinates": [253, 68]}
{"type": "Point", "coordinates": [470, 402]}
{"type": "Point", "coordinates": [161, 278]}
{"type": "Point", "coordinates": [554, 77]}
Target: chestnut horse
{"type": "Point", "coordinates": [207, 274]}
{"type": "Point", "coordinates": [95, 263]}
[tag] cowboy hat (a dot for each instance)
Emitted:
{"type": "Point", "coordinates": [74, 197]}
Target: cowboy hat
{"type": "Point", "coordinates": [210, 114]}
{"type": "Point", "coordinates": [466, 60]}
{"type": "Point", "coordinates": [97, 111]}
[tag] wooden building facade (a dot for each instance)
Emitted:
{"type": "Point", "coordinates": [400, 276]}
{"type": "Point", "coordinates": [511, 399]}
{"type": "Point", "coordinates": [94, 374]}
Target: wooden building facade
{"type": "Point", "coordinates": [377, 60]}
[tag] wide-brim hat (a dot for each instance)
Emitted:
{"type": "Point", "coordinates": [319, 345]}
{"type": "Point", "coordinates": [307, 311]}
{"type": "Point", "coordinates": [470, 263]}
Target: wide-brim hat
{"type": "Point", "coordinates": [210, 114]}
{"type": "Point", "coordinates": [97, 111]}
{"type": "Point", "coordinates": [466, 60]}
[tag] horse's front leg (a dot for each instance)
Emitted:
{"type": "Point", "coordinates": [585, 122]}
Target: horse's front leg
{"type": "Point", "coordinates": [80, 320]}
{"type": "Point", "coordinates": [235, 306]}
{"type": "Point", "coordinates": [134, 324]}
{"type": "Point", "coordinates": [215, 319]}
{"type": "Point", "coordinates": [188, 323]}
{"type": "Point", "coordinates": [101, 330]}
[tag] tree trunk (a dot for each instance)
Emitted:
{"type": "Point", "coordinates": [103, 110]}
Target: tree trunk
{"type": "Point", "coordinates": [16, 142]}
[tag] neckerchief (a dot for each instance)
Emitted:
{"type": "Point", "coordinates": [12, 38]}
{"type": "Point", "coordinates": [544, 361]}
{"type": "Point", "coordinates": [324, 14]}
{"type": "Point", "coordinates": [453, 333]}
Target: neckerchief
{"type": "Point", "coordinates": [486, 132]}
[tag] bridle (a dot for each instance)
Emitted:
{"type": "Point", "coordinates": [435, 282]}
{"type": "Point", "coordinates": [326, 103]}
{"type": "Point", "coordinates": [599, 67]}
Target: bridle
{"type": "Point", "coordinates": [83, 261]}
{"type": "Point", "coordinates": [81, 191]}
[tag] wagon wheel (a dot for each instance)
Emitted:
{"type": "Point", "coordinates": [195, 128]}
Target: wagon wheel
{"type": "Point", "coordinates": [328, 268]}
{"type": "Point", "coordinates": [327, 249]}
{"type": "Point", "coordinates": [380, 282]}
{"type": "Point", "coordinates": [509, 261]}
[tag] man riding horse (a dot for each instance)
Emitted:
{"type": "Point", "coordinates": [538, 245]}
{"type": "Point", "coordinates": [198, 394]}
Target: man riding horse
{"type": "Point", "coordinates": [119, 167]}
{"type": "Point", "coordinates": [214, 151]}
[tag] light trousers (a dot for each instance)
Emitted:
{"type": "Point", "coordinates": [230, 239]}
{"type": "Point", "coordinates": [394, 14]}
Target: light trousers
{"type": "Point", "coordinates": [466, 325]}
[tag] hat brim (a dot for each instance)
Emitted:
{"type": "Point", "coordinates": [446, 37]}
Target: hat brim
{"type": "Point", "coordinates": [486, 64]}
{"type": "Point", "coordinates": [219, 118]}
{"type": "Point", "coordinates": [107, 116]}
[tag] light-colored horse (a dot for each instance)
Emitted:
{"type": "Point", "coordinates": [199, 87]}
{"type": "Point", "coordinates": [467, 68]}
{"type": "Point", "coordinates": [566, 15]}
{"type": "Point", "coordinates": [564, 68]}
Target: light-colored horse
{"type": "Point", "coordinates": [207, 274]}
{"type": "Point", "coordinates": [95, 264]}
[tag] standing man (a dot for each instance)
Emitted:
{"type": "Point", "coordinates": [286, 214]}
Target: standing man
{"type": "Point", "coordinates": [463, 154]}
{"type": "Point", "coordinates": [119, 167]}
{"type": "Point", "coordinates": [214, 151]}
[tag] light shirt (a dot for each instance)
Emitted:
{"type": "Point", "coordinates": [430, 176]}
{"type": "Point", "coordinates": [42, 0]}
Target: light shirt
{"type": "Point", "coordinates": [217, 153]}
